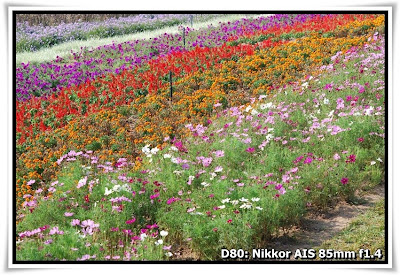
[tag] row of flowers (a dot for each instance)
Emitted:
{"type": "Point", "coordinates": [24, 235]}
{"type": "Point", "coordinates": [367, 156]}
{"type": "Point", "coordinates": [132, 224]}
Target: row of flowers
{"type": "Point", "coordinates": [33, 38]}
{"type": "Point", "coordinates": [50, 77]}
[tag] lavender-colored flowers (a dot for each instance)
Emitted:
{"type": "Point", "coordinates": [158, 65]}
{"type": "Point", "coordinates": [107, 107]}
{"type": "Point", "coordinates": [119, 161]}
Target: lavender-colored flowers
{"type": "Point", "coordinates": [32, 38]}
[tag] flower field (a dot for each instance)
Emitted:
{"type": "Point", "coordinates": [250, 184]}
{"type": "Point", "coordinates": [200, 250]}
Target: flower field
{"type": "Point", "coordinates": [178, 146]}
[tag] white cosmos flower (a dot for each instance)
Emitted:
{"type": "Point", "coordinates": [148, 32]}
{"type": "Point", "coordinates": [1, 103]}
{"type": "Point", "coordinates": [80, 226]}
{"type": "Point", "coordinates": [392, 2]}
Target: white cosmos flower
{"type": "Point", "coordinates": [259, 208]}
{"type": "Point", "coordinates": [263, 106]}
{"type": "Point", "coordinates": [205, 184]}
{"type": "Point", "coordinates": [158, 242]}
{"type": "Point", "coordinates": [108, 192]}
{"type": "Point", "coordinates": [173, 148]}
{"type": "Point", "coordinates": [368, 111]}
{"type": "Point", "coordinates": [213, 175]}
{"type": "Point", "coordinates": [174, 160]}
{"type": "Point", "coordinates": [255, 199]}
{"type": "Point", "coordinates": [326, 101]}
{"type": "Point", "coordinates": [146, 149]}
{"type": "Point", "coordinates": [248, 108]}
{"type": "Point", "coordinates": [167, 156]}
{"type": "Point", "coordinates": [254, 112]}
{"type": "Point", "coordinates": [177, 172]}
{"type": "Point", "coordinates": [163, 233]}
{"type": "Point", "coordinates": [154, 150]}
{"type": "Point", "coordinates": [126, 187]}
{"type": "Point", "coordinates": [117, 188]}
{"type": "Point", "coordinates": [221, 207]}
{"type": "Point", "coordinates": [234, 202]}
{"type": "Point", "coordinates": [225, 200]}
{"type": "Point", "coordinates": [379, 159]}
{"type": "Point", "coordinates": [373, 162]}
{"type": "Point", "coordinates": [269, 137]}
{"type": "Point", "coordinates": [243, 199]}
{"type": "Point", "coordinates": [168, 254]}
{"type": "Point", "coordinates": [246, 206]}
{"type": "Point", "coordinates": [143, 236]}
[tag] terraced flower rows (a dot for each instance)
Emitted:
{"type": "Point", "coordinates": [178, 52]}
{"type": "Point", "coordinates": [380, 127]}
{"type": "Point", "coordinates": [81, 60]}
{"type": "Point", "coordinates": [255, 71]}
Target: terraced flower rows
{"type": "Point", "coordinates": [141, 118]}
{"type": "Point", "coordinates": [239, 149]}
{"type": "Point", "coordinates": [47, 78]}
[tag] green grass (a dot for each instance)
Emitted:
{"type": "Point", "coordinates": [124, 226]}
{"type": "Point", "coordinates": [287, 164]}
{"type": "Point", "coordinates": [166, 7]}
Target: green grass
{"type": "Point", "coordinates": [64, 49]}
{"type": "Point", "coordinates": [367, 231]}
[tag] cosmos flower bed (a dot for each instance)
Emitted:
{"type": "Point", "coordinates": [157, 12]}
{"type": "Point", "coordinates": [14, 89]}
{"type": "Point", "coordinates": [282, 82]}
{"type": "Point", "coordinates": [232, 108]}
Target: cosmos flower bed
{"type": "Point", "coordinates": [125, 128]}
{"type": "Point", "coordinates": [239, 151]}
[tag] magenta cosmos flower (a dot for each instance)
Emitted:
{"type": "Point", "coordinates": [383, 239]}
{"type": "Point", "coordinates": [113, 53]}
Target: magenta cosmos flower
{"type": "Point", "coordinates": [250, 150]}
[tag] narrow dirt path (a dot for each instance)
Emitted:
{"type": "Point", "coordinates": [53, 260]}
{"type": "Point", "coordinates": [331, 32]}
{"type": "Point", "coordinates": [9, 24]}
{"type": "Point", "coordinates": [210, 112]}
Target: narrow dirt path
{"type": "Point", "coordinates": [315, 229]}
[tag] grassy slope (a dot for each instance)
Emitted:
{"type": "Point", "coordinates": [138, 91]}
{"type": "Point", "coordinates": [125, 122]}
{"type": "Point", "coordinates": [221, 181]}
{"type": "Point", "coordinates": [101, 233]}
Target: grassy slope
{"type": "Point", "coordinates": [234, 230]}
{"type": "Point", "coordinates": [64, 49]}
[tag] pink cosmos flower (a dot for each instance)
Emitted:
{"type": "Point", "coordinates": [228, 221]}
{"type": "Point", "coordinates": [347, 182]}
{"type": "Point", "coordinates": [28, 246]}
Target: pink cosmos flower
{"type": "Point", "coordinates": [55, 230]}
{"type": "Point", "coordinates": [75, 222]}
{"type": "Point", "coordinates": [351, 159]}
{"type": "Point", "coordinates": [219, 153]}
{"type": "Point", "coordinates": [344, 181]}
{"type": "Point", "coordinates": [81, 182]}
{"type": "Point", "coordinates": [247, 140]}
{"type": "Point", "coordinates": [336, 156]}
{"type": "Point", "coordinates": [308, 160]}
{"type": "Point", "coordinates": [250, 149]}
{"type": "Point", "coordinates": [68, 214]}
{"type": "Point", "coordinates": [30, 182]}
{"type": "Point", "coordinates": [340, 103]}
{"type": "Point", "coordinates": [49, 241]}
{"type": "Point", "coordinates": [130, 221]}
{"type": "Point", "coordinates": [278, 186]}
